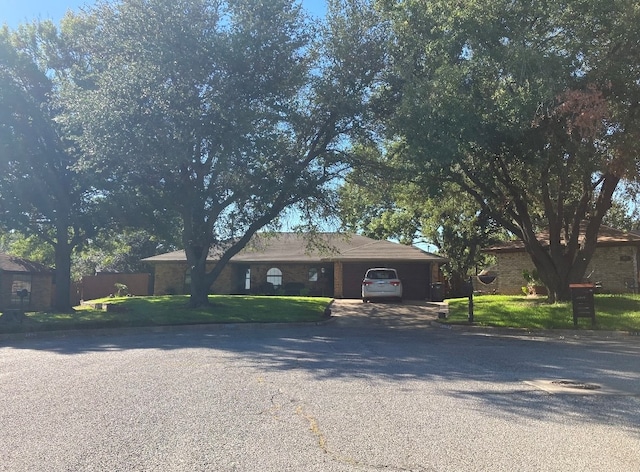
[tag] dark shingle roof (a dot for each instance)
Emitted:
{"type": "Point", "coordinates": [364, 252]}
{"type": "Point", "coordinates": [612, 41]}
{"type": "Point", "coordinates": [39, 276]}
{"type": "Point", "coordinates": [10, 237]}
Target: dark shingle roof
{"type": "Point", "coordinates": [294, 247]}
{"type": "Point", "coordinates": [17, 264]}
{"type": "Point", "coordinates": [606, 237]}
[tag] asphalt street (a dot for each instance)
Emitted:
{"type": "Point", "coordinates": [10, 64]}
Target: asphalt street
{"type": "Point", "coordinates": [378, 387]}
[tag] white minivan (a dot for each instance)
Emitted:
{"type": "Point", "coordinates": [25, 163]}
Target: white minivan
{"type": "Point", "coordinates": [381, 283]}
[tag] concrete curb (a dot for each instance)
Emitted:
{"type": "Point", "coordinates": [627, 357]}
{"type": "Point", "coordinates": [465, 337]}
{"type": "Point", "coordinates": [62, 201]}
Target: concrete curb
{"type": "Point", "coordinates": [54, 334]}
{"type": "Point", "coordinates": [540, 333]}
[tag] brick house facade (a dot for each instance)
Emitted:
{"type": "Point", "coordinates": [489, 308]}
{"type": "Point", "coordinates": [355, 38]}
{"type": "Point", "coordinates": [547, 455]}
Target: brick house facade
{"type": "Point", "coordinates": [24, 284]}
{"type": "Point", "coordinates": [288, 263]}
{"type": "Point", "coordinates": [615, 264]}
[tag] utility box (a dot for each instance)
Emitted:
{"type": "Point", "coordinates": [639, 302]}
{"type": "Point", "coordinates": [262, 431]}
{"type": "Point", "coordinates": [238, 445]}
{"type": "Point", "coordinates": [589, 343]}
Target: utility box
{"type": "Point", "coordinates": [582, 300]}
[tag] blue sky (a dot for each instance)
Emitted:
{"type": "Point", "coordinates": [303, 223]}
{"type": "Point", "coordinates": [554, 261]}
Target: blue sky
{"type": "Point", "coordinates": [14, 12]}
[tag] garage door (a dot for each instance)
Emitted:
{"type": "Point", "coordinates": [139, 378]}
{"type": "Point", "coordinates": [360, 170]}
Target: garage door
{"type": "Point", "coordinates": [416, 278]}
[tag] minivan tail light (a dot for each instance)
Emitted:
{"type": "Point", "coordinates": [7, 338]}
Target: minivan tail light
{"type": "Point", "coordinates": [366, 282]}
{"type": "Point", "coordinates": [395, 283]}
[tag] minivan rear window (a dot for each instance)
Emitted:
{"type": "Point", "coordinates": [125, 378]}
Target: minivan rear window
{"type": "Point", "coordinates": [381, 274]}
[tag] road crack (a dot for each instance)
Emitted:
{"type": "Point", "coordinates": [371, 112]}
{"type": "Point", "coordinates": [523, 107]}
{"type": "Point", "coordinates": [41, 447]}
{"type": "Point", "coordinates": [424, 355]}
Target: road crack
{"type": "Point", "coordinates": [314, 427]}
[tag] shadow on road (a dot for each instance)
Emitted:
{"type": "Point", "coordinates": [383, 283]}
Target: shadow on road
{"type": "Point", "coordinates": [400, 343]}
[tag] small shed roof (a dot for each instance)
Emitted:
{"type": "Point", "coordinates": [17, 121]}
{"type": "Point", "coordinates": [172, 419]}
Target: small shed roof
{"type": "Point", "coordinates": [10, 263]}
{"type": "Point", "coordinates": [324, 247]}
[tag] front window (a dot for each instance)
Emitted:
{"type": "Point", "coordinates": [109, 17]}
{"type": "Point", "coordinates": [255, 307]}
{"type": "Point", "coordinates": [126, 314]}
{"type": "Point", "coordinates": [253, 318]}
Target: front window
{"type": "Point", "coordinates": [21, 289]}
{"type": "Point", "coordinates": [247, 279]}
{"type": "Point", "coordinates": [274, 277]}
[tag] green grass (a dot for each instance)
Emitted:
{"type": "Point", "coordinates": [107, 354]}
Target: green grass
{"type": "Point", "coordinates": [174, 310]}
{"type": "Point", "coordinates": [613, 312]}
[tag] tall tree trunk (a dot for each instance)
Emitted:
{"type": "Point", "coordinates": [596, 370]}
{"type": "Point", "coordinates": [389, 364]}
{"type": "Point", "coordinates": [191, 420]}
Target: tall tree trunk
{"type": "Point", "coordinates": [199, 288]}
{"type": "Point", "coordinates": [63, 250]}
{"type": "Point", "coordinates": [197, 261]}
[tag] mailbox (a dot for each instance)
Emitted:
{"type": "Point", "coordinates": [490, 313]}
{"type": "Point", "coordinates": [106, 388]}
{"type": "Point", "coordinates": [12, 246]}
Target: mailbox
{"type": "Point", "coordinates": [582, 301]}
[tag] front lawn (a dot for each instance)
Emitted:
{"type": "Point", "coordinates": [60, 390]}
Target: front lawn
{"type": "Point", "coordinates": [613, 312]}
{"type": "Point", "coordinates": [174, 310]}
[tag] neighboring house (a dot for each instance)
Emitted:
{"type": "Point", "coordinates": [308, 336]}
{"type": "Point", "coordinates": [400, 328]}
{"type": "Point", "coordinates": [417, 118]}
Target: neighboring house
{"type": "Point", "coordinates": [331, 266]}
{"type": "Point", "coordinates": [24, 284]}
{"type": "Point", "coordinates": [615, 263]}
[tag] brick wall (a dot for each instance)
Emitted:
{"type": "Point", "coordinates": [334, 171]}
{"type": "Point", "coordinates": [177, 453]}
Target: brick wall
{"type": "Point", "coordinates": [225, 283]}
{"type": "Point", "coordinates": [295, 273]}
{"type": "Point", "coordinates": [509, 267]}
{"type": "Point", "coordinates": [169, 279]}
{"type": "Point", "coordinates": [610, 265]}
{"type": "Point", "coordinates": [40, 296]}
{"type": "Point", "coordinates": [41, 292]}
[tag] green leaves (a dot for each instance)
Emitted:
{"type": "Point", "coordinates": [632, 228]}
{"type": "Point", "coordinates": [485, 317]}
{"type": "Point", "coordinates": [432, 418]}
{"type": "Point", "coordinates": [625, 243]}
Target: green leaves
{"type": "Point", "coordinates": [530, 108]}
{"type": "Point", "coordinates": [42, 193]}
{"type": "Point", "coordinates": [225, 113]}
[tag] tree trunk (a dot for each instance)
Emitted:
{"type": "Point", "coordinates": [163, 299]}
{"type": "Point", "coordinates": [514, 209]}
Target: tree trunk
{"type": "Point", "coordinates": [556, 273]}
{"type": "Point", "coordinates": [197, 261]}
{"type": "Point", "coordinates": [199, 292]}
{"type": "Point", "coordinates": [63, 249]}
{"type": "Point", "coordinates": [565, 260]}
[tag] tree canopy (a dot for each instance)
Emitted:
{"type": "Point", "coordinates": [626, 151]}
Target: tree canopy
{"type": "Point", "coordinates": [382, 205]}
{"type": "Point", "coordinates": [41, 192]}
{"type": "Point", "coordinates": [225, 113]}
{"type": "Point", "coordinates": [531, 108]}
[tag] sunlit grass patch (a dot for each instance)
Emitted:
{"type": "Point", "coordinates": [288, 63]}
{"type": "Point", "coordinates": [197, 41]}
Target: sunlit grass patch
{"type": "Point", "coordinates": [613, 312]}
{"type": "Point", "coordinates": [175, 310]}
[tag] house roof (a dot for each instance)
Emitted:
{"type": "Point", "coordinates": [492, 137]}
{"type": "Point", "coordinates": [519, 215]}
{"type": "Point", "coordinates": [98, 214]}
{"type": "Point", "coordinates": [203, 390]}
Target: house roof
{"type": "Point", "coordinates": [10, 263]}
{"type": "Point", "coordinates": [606, 237]}
{"type": "Point", "coordinates": [326, 247]}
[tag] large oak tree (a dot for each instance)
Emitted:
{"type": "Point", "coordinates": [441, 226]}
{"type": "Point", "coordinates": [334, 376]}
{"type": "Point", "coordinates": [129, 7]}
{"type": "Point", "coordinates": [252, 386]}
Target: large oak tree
{"type": "Point", "coordinates": [533, 108]}
{"type": "Point", "coordinates": [42, 193]}
{"type": "Point", "coordinates": [225, 113]}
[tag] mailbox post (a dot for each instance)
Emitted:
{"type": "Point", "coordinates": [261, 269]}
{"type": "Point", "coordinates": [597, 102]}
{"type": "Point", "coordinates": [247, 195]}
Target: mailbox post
{"type": "Point", "coordinates": [582, 301]}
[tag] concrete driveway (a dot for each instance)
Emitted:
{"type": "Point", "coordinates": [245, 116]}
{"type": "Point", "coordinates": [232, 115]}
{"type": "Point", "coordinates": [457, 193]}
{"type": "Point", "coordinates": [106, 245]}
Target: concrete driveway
{"type": "Point", "coordinates": [407, 315]}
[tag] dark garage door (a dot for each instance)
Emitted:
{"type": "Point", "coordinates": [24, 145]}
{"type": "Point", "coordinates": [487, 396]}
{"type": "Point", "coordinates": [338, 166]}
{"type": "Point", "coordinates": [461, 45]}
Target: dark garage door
{"type": "Point", "coordinates": [415, 276]}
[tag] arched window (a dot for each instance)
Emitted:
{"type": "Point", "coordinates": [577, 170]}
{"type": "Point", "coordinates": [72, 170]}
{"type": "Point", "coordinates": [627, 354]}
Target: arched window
{"type": "Point", "coordinates": [274, 277]}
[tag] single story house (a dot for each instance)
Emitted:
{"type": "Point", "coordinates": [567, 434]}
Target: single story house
{"type": "Point", "coordinates": [615, 263]}
{"type": "Point", "coordinates": [332, 265]}
{"type": "Point", "coordinates": [24, 284]}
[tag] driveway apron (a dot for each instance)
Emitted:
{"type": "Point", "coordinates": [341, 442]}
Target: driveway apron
{"type": "Point", "coordinates": [407, 315]}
